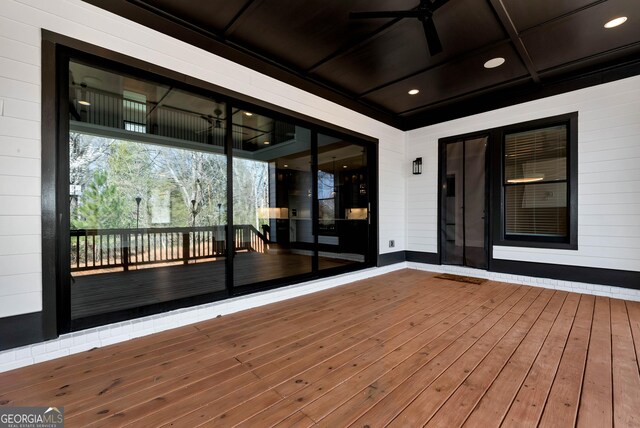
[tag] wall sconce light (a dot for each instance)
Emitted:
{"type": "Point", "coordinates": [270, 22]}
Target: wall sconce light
{"type": "Point", "coordinates": [417, 166]}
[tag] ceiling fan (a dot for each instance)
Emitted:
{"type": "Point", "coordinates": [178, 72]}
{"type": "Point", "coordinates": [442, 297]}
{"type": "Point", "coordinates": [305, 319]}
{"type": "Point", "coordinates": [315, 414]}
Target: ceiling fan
{"type": "Point", "coordinates": [424, 13]}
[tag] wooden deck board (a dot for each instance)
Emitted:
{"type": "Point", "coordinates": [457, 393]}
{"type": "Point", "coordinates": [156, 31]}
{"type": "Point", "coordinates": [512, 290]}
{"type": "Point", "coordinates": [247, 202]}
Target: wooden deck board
{"type": "Point", "coordinates": [404, 348]}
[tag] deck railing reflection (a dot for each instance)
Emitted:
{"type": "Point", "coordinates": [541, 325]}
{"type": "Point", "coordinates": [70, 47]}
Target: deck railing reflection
{"type": "Point", "coordinates": [103, 249]}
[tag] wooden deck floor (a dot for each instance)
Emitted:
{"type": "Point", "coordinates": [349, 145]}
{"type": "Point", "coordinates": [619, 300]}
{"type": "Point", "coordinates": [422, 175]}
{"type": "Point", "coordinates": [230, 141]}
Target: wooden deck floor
{"type": "Point", "coordinates": [403, 349]}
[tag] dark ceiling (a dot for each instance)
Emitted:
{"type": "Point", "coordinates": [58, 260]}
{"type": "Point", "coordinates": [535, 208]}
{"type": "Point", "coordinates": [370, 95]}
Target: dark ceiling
{"type": "Point", "coordinates": [369, 65]}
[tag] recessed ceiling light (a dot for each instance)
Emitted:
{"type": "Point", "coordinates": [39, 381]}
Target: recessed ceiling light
{"type": "Point", "coordinates": [286, 166]}
{"type": "Point", "coordinates": [344, 166]}
{"type": "Point", "coordinates": [246, 113]}
{"type": "Point", "coordinates": [414, 91]}
{"type": "Point", "coordinates": [267, 143]}
{"type": "Point", "coordinates": [84, 103]}
{"type": "Point", "coordinates": [494, 62]}
{"type": "Point", "coordinates": [615, 22]}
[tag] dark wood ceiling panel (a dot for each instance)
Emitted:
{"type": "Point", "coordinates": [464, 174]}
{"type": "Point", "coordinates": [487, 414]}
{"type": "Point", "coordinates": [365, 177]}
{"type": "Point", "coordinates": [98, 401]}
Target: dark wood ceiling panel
{"type": "Point", "coordinates": [368, 65]}
{"type": "Point", "coordinates": [525, 16]}
{"type": "Point", "coordinates": [451, 80]}
{"type": "Point", "coordinates": [302, 33]}
{"type": "Point", "coordinates": [463, 25]}
{"type": "Point", "coordinates": [209, 15]}
{"type": "Point", "coordinates": [582, 35]}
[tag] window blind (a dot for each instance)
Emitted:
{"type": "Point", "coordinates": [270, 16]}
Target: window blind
{"type": "Point", "coordinates": [535, 180]}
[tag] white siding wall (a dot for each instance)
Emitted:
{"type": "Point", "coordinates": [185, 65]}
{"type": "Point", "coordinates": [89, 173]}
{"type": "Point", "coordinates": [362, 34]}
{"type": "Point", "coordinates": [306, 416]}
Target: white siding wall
{"type": "Point", "coordinates": [608, 175]}
{"type": "Point", "coordinates": [20, 25]}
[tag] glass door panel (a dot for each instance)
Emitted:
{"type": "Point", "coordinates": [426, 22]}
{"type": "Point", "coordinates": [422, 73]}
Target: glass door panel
{"type": "Point", "coordinates": [343, 203]}
{"type": "Point", "coordinates": [463, 228]}
{"type": "Point", "coordinates": [147, 193]}
{"type": "Point", "coordinates": [272, 199]}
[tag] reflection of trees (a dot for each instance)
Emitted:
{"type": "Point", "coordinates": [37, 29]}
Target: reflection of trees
{"type": "Point", "coordinates": [251, 190]}
{"type": "Point", "coordinates": [109, 174]}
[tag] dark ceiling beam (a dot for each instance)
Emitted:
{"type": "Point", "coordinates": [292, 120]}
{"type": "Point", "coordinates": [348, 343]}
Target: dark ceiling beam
{"type": "Point", "coordinates": [461, 57]}
{"type": "Point", "coordinates": [563, 16]}
{"type": "Point", "coordinates": [509, 26]}
{"type": "Point", "coordinates": [235, 21]}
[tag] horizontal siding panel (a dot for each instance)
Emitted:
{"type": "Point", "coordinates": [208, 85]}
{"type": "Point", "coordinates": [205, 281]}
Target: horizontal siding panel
{"type": "Point", "coordinates": [607, 210]}
{"type": "Point", "coordinates": [621, 108]}
{"type": "Point", "coordinates": [12, 127]}
{"type": "Point", "coordinates": [20, 304]}
{"type": "Point", "coordinates": [27, 244]}
{"type": "Point", "coordinates": [611, 165]}
{"type": "Point", "coordinates": [618, 241]}
{"type": "Point", "coordinates": [613, 154]}
{"type": "Point", "coordinates": [19, 51]}
{"type": "Point", "coordinates": [20, 205]}
{"type": "Point", "coordinates": [629, 117]}
{"type": "Point", "coordinates": [617, 219]}
{"type": "Point", "coordinates": [20, 225]}
{"type": "Point", "coordinates": [612, 177]}
{"type": "Point", "coordinates": [19, 147]}
{"type": "Point", "coordinates": [623, 142]}
{"type": "Point", "coordinates": [25, 167]}
{"type": "Point", "coordinates": [599, 188]}
{"type": "Point", "coordinates": [608, 230]}
{"type": "Point", "coordinates": [18, 284]}
{"type": "Point", "coordinates": [19, 90]}
{"type": "Point", "coordinates": [22, 109]}
{"type": "Point", "coordinates": [609, 199]}
{"type": "Point", "coordinates": [20, 71]}
{"type": "Point", "coordinates": [19, 31]}
{"type": "Point", "coordinates": [19, 186]}
{"type": "Point", "coordinates": [602, 136]}
{"type": "Point", "coordinates": [16, 264]}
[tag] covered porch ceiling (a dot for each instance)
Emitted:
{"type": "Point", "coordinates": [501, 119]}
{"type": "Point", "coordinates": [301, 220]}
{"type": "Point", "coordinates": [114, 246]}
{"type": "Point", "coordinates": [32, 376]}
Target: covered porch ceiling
{"type": "Point", "coordinates": [369, 65]}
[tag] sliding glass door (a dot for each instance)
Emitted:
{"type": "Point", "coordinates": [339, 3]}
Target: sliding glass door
{"type": "Point", "coordinates": [155, 175]}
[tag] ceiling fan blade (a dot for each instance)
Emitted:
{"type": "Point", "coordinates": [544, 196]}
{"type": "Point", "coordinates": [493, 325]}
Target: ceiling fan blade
{"type": "Point", "coordinates": [435, 47]}
{"type": "Point", "coordinates": [387, 14]}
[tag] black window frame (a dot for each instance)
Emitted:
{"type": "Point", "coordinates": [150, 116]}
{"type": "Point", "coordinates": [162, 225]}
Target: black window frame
{"type": "Point", "coordinates": [500, 238]}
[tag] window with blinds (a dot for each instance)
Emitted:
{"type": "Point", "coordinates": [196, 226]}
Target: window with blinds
{"type": "Point", "coordinates": [535, 182]}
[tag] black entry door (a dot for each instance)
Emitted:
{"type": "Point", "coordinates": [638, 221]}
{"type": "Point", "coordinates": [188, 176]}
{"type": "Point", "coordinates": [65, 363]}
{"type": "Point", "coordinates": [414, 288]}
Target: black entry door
{"type": "Point", "coordinates": [463, 229]}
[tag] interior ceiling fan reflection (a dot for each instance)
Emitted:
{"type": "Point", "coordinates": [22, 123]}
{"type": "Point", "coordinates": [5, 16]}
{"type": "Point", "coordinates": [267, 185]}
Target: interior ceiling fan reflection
{"type": "Point", "coordinates": [424, 13]}
{"type": "Point", "coordinates": [214, 123]}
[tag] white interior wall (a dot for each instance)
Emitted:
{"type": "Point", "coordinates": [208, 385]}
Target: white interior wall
{"type": "Point", "coordinates": [608, 175]}
{"type": "Point", "coordinates": [21, 22]}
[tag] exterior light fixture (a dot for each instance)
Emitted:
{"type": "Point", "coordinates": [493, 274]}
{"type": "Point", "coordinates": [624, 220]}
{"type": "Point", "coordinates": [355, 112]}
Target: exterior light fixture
{"type": "Point", "coordinates": [414, 91]}
{"type": "Point", "coordinates": [246, 113]}
{"type": "Point", "coordinates": [615, 22]}
{"type": "Point", "coordinates": [417, 166]}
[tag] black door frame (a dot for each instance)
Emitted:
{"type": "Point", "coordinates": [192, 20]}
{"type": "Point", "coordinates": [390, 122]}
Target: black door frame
{"type": "Point", "coordinates": [442, 180]}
